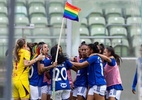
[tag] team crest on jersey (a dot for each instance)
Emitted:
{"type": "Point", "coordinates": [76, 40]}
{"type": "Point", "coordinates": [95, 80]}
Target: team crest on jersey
{"type": "Point", "coordinates": [63, 85]}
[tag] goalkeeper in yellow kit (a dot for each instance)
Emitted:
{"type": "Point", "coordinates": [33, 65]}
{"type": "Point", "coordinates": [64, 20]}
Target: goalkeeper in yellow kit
{"type": "Point", "coordinates": [21, 67]}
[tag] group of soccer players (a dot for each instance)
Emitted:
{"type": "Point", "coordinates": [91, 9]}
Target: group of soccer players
{"type": "Point", "coordinates": [96, 67]}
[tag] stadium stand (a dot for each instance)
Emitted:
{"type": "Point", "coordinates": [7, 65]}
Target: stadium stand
{"type": "Point", "coordinates": [113, 12]}
{"type": "Point", "coordinates": [83, 30]}
{"type": "Point", "coordinates": [46, 15]}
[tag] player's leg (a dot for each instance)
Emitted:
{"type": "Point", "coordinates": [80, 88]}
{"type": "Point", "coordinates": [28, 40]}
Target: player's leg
{"type": "Point", "coordinates": [44, 92]}
{"type": "Point", "coordinates": [90, 95]}
{"type": "Point", "coordinates": [65, 94]}
{"type": "Point", "coordinates": [49, 92]}
{"type": "Point", "coordinates": [81, 95]}
{"type": "Point", "coordinates": [99, 92]}
{"type": "Point", "coordinates": [114, 94]}
{"type": "Point", "coordinates": [15, 94]}
{"type": "Point", "coordinates": [34, 92]}
{"type": "Point", "coordinates": [74, 95]}
{"type": "Point", "coordinates": [39, 91]}
{"type": "Point", "coordinates": [58, 95]}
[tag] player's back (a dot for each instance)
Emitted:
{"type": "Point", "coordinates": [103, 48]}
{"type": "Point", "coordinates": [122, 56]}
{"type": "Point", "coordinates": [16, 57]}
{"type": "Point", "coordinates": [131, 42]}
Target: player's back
{"type": "Point", "coordinates": [20, 72]}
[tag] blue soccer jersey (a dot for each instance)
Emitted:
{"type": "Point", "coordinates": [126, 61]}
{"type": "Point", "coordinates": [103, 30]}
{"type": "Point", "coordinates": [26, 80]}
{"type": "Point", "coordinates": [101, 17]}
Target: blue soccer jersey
{"type": "Point", "coordinates": [95, 71]}
{"type": "Point", "coordinates": [46, 62]}
{"type": "Point", "coordinates": [33, 75]}
{"type": "Point", "coordinates": [61, 79]}
{"type": "Point", "coordinates": [81, 79]}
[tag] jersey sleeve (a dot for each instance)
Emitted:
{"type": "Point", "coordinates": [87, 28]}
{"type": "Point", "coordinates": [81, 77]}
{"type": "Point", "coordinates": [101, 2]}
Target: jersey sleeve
{"type": "Point", "coordinates": [68, 64]}
{"type": "Point", "coordinates": [91, 59]}
{"type": "Point", "coordinates": [134, 81]}
{"type": "Point", "coordinates": [113, 62]}
{"type": "Point", "coordinates": [42, 62]}
{"type": "Point", "coordinates": [27, 55]}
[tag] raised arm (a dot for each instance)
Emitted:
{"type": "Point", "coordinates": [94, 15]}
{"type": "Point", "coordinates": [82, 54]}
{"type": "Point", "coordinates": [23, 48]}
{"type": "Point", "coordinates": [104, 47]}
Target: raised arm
{"type": "Point", "coordinates": [29, 63]}
{"type": "Point", "coordinates": [104, 57]}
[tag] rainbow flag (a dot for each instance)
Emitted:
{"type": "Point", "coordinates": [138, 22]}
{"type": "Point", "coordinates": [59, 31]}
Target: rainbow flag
{"type": "Point", "coordinates": [71, 12]}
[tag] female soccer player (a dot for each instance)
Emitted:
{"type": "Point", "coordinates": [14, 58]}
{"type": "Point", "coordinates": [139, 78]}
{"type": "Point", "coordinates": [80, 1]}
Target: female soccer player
{"type": "Point", "coordinates": [135, 80]}
{"type": "Point", "coordinates": [96, 80]}
{"type": "Point", "coordinates": [112, 74]}
{"type": "Point", "coordinates": [44, 64]}
{"type": "Point", "coordinates": [80, 84]}
{"type": "Point", "coordinates": [62, 86]}
{"type": "Point", "coordinates": [21, 63]}
{"type": "Point", "coordinates": [33, 76]}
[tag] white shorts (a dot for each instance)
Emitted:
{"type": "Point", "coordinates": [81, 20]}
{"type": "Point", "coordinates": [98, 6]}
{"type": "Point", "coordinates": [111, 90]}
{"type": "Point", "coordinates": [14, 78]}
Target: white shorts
{"type": "Point", "coordinates": [62, 94]}
{"type": "Point", "coordinates": [113, 93]}
{"type": "Point", "coordinates": [98, 90]}
{"type": "Point", "coordinates": [49, 90]}
{"type": "Point", "coordinates": [44, 89]}
{"type": "Point", "coordinates": [34, 93]}
{"type": "Point", "coordinates": [80, 91]}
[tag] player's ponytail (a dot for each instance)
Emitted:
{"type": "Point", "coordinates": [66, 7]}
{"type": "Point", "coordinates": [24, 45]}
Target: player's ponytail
{"type": "Point", "coordinates": [117, 57]}
{"type": "Point", "coordinates": [19, 44]}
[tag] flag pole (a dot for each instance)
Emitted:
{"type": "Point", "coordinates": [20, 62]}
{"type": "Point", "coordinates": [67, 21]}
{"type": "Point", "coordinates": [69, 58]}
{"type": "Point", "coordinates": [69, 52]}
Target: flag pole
{"type": "Point", "coordinates": [58, 46]}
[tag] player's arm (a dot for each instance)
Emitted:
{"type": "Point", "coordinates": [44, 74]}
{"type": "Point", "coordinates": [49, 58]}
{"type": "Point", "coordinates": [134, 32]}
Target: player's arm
{"type": "Point", "coordinates": [80, 65]}
{"type": "Point", "coordinates": [74, 68]}
{"type": "Point", "coordinates": [29, 63]}
{"type": "Point", "coordinates": [134, 83]}
{"type": "Point", "coordinates": [43, 68]}
{"type": "Point", "coordinates": [104, 57]}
